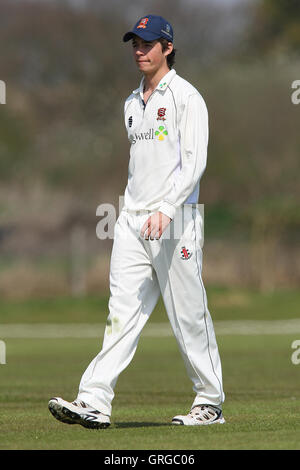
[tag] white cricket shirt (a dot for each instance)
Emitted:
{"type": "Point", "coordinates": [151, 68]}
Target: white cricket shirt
{"type": "Point", "coordinates": [168, 152]}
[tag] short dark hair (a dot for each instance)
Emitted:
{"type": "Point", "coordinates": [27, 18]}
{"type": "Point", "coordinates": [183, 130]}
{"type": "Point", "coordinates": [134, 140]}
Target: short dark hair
{"type": "Point", "coordinates": [170, 57]}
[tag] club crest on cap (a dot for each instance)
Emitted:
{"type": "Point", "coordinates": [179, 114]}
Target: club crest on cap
{"type": "Point", "coordinates": [143, 23]}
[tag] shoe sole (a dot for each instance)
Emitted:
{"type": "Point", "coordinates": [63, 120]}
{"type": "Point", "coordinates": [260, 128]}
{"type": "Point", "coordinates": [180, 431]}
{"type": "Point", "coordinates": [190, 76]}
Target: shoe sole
{"type": "Point", "coordinates": [63, 414]}
{"type": "Point", "coordinates": [179, 422]}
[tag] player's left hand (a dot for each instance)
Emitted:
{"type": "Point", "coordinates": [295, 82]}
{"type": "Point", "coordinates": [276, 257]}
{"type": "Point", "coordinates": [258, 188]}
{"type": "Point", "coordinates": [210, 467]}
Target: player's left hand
{"type": "Point", "coordinates": [155, 225]}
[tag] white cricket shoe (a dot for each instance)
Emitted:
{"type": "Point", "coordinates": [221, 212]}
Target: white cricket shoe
{"type": "Point", "coordinates": [78, 412]}
{"type": "Point", "coordinates": [200, 415]}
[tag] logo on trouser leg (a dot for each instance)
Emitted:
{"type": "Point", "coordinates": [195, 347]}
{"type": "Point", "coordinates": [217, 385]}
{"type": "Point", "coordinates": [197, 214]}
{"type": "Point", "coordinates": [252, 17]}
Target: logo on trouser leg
{"type": "Point", "coordinates": [185, 253]}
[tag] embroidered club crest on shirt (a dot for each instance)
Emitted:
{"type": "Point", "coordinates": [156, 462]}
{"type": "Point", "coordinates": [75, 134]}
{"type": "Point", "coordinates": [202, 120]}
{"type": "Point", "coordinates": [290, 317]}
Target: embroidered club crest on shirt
{"type": "Point", "coordinates": [143, 23]}
{"type": "Point", "coordinates": [161, 114]}
{"type": "Point", "coordinates": [185, 253]}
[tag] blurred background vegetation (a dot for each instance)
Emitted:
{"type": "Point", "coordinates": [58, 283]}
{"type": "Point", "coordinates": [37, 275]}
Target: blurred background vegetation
{"type": "Point", "coordinates": [64, 150]}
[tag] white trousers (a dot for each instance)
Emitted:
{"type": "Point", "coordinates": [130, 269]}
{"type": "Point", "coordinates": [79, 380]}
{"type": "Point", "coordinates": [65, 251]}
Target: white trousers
{"type": "Point", "coordinates": [140, 271]}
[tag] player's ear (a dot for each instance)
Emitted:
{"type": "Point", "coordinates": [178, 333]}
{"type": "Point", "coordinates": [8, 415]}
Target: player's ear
{"type": "Point", "coordinates": [168, 48]}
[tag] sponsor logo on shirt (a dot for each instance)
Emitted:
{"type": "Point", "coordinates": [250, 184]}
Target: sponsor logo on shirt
{"type": "Point", "coordinates": [161, 133]}
{"type": "Point", "coordinates": [152, 134]}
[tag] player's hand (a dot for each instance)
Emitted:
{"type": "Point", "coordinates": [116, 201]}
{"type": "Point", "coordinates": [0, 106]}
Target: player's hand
{"type": "Point", "coordinates": [155, 225]}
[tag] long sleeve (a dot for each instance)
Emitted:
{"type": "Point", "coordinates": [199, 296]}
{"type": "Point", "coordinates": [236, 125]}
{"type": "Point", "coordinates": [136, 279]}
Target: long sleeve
{"type": "Point", "coordinates": [193, 135]}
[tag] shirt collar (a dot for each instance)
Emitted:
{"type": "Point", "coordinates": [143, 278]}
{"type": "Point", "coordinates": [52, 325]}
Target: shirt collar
{"type": "Point", "coordinates": [164, 82]}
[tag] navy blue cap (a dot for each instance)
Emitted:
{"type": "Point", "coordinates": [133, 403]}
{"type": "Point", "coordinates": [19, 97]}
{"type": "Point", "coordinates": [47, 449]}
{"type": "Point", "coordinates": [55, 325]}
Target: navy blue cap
{"type": "Point", "coordinates": [149, 28]}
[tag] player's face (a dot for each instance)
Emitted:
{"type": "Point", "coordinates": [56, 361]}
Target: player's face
{"type": "Point", "coordinates": [149, 56]}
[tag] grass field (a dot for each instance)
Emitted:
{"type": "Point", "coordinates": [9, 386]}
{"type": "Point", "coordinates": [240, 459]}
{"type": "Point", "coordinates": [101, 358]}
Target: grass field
{"type": "Point", "coordinates": [224, 304]}
{"type": "Point", "coordinates": [262, 407]}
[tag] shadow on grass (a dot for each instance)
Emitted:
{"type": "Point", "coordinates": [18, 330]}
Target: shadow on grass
{"type": "Point", "coordinates": [140, 425]}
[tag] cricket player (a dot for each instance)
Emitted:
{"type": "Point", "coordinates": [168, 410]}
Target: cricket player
{"type": "Point", "coordinates": [158, 238]}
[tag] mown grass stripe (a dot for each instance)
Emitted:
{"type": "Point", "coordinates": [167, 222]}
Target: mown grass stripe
{"type": "Point", "coordinates": [92, 330]}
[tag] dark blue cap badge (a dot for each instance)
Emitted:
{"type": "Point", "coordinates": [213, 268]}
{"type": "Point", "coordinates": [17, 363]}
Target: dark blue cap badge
{"type": "Point", "coordinates": [149, 28]}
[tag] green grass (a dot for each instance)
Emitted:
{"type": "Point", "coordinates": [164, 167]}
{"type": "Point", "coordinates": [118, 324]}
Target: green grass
{"type": "Point", "coordinates": [262, 407]}
{"type": "Point", "coordinates": [224, 304]}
